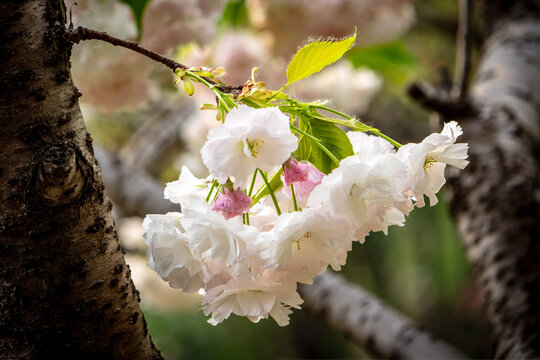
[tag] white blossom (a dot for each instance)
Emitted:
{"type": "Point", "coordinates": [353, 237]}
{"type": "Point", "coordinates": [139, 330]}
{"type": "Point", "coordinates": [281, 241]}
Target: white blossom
{"type": "Point", "coordinates": [210, 234]}
{"type": "Point", "coordinates": [365, 190]}
{"type": "Point", "coordinates": [263, 216]}
{"type": "Point", "coordinates": [253, 270]}
{"type": "Point", "coordinates": [170, 255]}
{"type": "Point", "coordinates": [305, 243]}
{"type": "Point", "coordinates": [427, 160]}
{"type": "Point", "coordinates": [188, 191]}
{"type": "Point", "coordinates": [249, 139]}
{"type": "Point", "coordinates": [256, 296]}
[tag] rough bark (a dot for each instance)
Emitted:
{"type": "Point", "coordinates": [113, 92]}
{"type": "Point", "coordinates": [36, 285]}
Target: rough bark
{"type": "Point", "coordinates": [496, 199]}
{"type": "Point", "coordinates": [65, 290]}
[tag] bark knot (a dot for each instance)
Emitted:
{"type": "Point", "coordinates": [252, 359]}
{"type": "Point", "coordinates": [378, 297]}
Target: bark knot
{"type": "Point", "coordinates": [59, 178]}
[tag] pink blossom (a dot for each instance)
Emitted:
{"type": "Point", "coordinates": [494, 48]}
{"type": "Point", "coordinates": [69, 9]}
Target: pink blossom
{"type": "Point", "coordinates": [304, 176]}
{"type": "Point", "coordinates": [232, 203]}
{"type": "Point", "coordinates": [293, 171]}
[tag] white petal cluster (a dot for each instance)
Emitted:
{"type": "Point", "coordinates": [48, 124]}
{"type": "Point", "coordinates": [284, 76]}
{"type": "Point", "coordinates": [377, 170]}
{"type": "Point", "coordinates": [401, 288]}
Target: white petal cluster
{"type": "Point", "coordinates": [249, 139]}
{"type": "Point", "coordinates": [427, 160]}
{"type": "Point", "coordinates": [305, 242]}
{"type": "Point", "coordinates": [188, 190]}
{"type": "Point", "coordinates": [252, 268]}
{"type": "Point", "coordinates": [366, 188]}
{"type": "Point", "coordinates": [268, 292]}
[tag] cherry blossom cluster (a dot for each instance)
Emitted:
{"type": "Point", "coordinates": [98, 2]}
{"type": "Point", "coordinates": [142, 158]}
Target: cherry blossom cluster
{"type": "Point", "coordinates": [245, 253]}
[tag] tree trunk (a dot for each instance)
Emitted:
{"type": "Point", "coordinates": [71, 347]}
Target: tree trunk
{"type": "Point", "coordinates": [65, 290]}
{"type": "Point", "coordinates": [496, 199]}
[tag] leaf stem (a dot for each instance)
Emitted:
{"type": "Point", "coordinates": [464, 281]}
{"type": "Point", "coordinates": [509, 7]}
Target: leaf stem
{"type": "Point", "coordinates": [261, 192]}
{"type": "Point", "coordinates": [274, 200]}
{"type": "Point", "coordinates": [293, 195]}
{"type": "Point", "coordinates": [251, 103]}
{"type": "Point", "coordinates": [381, 135]}
{"type": "Point", "coordinates": [278, 92]}
{"type": "Point", "coordinates": [370, 129]}
{"type": "Point", "coordinates": [212, 87]}
{"type": "Point", "coordinates": [252, 183]}
{"type": "Point", "coordinates": [211, 189]}
{"type": "Point", "coordinates": [319, 144]}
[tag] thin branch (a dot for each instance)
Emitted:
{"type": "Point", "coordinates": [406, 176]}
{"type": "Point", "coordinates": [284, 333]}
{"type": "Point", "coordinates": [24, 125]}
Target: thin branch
{"type": "Point", "coordinates": [370, 323]}
{"type": "Point", "coordinates": [463, 54]}
{"type": "Point", "coordinates": [82, 33]}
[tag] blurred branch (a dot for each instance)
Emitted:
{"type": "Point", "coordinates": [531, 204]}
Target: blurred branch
{"type": "Point", "coordinates": [440, 100]}
{"type": "Point", "coordinates": [464, 48]}
{"type": "Point", "coordinates": [369, 322]}
{"type": "Point", "coordinates": [158, 139]}
{"type": "Point", "coordinates": [134, 192]}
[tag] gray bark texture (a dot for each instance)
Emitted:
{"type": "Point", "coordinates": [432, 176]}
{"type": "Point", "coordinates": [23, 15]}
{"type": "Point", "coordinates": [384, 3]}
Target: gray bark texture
{"type": "Point", "coordinates": [65, 290]}
{"type": "Point", "coordinates": [496, 199]}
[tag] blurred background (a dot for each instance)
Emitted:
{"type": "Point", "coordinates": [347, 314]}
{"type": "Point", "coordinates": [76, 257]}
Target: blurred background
{"type": "Point", "coordinates": [135, 113]}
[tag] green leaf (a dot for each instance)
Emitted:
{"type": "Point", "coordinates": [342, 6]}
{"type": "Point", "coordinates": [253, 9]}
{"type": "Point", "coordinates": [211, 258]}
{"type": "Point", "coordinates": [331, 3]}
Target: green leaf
{"type": "Point", "coordinates": [137, 8]}
{"type": "Point", "coordinates": [330, 136]}
{"type": "Point", "coordinates": [316, 55]}
{"type": "Point", "coordinates": [234, 15]}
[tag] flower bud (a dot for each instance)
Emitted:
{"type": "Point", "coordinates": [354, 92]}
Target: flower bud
{"type": "Point", "coordinates": [305, 178]}
{"type": "Point", "coordinates": [208, 107]}
{"type": "Point", "coordinates": [293, 171]}
{"type": "Point", "coordinates": [188, 86]}
{"type": "Point", "coordinates": [232, 203]}
{"type": "Point", "coordinates": [218, 72]}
